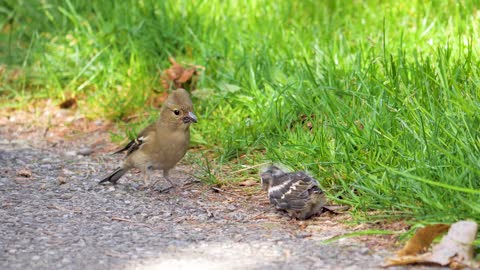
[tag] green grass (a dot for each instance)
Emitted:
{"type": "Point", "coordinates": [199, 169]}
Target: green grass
{"type": "Point", "coordinates": [390, 89]}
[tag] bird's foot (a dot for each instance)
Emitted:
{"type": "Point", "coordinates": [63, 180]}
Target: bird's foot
{"type": "Point", "coordinates": [165, 189]}
{"type": "Point", "coordinates": [152, 185]}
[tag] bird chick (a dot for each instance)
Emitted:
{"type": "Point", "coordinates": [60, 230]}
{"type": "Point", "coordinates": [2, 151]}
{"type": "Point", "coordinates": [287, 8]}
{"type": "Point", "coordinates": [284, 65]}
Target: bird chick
{"type": "Point", "coordinates": [162, 144]}
{"type": "Point", "coordinates": [295, 192]}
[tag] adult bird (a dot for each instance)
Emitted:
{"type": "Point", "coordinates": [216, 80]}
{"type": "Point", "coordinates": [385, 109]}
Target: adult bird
{"type": "Point", "coordinates": [161, 145]}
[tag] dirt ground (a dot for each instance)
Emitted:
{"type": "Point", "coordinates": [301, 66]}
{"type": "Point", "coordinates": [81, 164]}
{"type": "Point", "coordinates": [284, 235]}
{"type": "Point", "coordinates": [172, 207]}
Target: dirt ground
{"type": "Point", "coordinates": [55, 215]}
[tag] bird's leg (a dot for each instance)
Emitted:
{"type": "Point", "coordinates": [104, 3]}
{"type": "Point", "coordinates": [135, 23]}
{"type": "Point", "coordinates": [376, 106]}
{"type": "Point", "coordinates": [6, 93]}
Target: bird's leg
{"type": "Point", "coordinates": [151, 185]}
{"type": "Point", "coordinates": [167, 177]}
{"type": "Point", "coordinates": [147, 173]}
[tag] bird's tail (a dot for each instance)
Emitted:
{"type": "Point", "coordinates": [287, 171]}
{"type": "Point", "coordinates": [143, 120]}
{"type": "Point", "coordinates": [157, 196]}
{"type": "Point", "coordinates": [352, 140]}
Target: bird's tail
{"type": "Point", "coordinates": [114, 176]}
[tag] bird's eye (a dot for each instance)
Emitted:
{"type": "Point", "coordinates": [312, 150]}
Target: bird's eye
{"type": "Point", "coordinates": [176, 112]}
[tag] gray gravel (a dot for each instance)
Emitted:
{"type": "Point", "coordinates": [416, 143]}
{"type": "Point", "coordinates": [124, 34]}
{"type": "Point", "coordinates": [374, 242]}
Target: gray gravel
{"type": "Point", "coordinates": [60, 218]}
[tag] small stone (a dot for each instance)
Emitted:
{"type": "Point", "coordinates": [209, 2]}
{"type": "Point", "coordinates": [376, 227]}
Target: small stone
{"type": "Point", "coordinates": [303, 235]}
{"type": "Point", "coordinates": [85, 151]}
{"type": "Point", "coordinates": [35, 258]}
{"type": "Point", "coordinates": [61, 180]}
{"type": "Point", "coordinates": [364, 251]}
{"type": "Point", "coordinates": [70, 153]}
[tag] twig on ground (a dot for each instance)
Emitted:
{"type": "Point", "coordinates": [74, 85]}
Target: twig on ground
{"type": "Point", "coordinates": [115, 254]}
{"type": "Point", "coordinates": [122, 219]}
{"type": "Point", "coordinates": [56, 207]}
{"type": "Point", "coordinates": [226, 192]}
{"type": "Point", "coordinates": [133, 222]}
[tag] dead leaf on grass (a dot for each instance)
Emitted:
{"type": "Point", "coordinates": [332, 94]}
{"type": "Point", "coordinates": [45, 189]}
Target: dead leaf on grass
{"type": "Point", "coordinates": [178, 76]}
{"type": "Point", "coordinates": [306, 121]}
{"type": "Point", "coordinates": [359, 124]}
{"type": "Point", "coordinates": [68, 103]}
{"type": "Point", "coordinates": [455, 249]}
{"type": "Point", "coordinates": [248, 183]}
{"type": "Point", "coordinates": [26, 173]}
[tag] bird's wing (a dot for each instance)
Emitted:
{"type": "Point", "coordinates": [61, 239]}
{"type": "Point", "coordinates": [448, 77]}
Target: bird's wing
{"type": "Point", "coordinates": [136, 143]}
{"type": "Point", "coordinates": [294, 191]}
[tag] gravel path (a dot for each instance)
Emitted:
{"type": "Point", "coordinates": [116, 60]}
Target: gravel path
{"type": "Point", "coordinates": [54, 215]}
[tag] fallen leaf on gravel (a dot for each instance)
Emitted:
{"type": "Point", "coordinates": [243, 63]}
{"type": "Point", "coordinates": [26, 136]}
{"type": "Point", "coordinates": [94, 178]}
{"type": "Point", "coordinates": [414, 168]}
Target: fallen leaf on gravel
{"type": "Point", "coordinates": [248, 183]}
{"type": "Point", "coordinates": [422, 239]}
{"type": "Point", "coordinates": [24, 173]}
{"type": "Point", "coordinates": [455, 249]}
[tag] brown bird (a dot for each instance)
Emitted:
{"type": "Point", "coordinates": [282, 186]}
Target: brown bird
{"type": "Point", "coordinates": [162, 144]}
{"type": "Point", "coordinates": [295, 192]}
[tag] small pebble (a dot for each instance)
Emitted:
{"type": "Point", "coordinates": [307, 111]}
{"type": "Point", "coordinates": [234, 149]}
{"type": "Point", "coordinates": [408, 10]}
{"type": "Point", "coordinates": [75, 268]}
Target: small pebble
{"type": "Point", "coordinates": [85, 151]}
{"type": "Point", "coordinates": [70, 153]}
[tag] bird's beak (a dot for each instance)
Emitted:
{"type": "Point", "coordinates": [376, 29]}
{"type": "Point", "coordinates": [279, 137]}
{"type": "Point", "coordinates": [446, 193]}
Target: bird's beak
{"type": "Point", "coordinates": [190, 118]}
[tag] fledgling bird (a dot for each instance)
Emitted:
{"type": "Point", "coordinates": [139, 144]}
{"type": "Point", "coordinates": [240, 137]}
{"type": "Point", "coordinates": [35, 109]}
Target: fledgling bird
{"type": "Point", "coordinates": [162, 144]}
{"type": "Point", "coordinates": [295, 192]}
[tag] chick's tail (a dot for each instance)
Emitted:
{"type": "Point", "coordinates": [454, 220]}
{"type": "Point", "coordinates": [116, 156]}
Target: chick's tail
{"type": "Point", "coordinates": [114, 176]}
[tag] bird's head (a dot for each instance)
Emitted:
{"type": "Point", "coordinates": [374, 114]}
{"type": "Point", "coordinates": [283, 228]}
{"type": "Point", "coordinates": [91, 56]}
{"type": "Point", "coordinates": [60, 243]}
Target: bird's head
{"type": "Point", "coordinates": [269, 174]}
{"type": "Point", "coordinates": [178, 109]}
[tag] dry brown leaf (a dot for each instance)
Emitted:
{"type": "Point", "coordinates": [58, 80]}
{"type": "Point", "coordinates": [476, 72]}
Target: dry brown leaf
{"type": "Point", "coordinates": [422, 239]}
{"type": "Point", "coordinates": [158, 100]}
{"type": "Point", "coordinates": [455, 249]}
{"type": "Point", "coordinates": [24, 173]}
{"type": "Point", "coordinates": [186, 75]}
{"type": "Point", "coordinates": [457, 245]}
{"type": "Point", "coordinates": [305, 121]}
{"type": "Point", "coordinates": [68, 103]}
{"type": "Point", "coordinates": [359, 125]}
{"type": "Point", "coordinates": [248, 183]}
{"type": "Point", "coordinates": [178, 76]}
